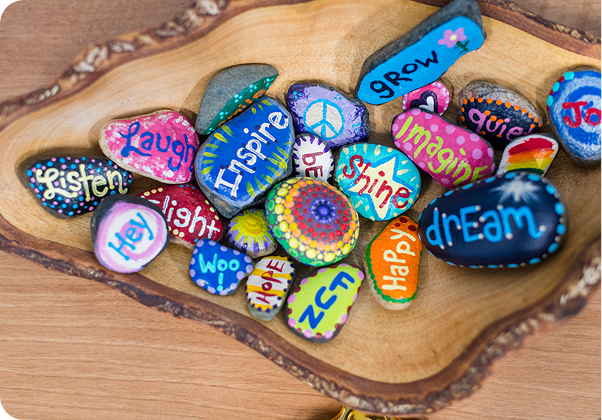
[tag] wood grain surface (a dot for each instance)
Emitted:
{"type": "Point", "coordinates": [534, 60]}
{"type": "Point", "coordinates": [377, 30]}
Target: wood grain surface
{"type": "Point", "coordinates": [88, 351]}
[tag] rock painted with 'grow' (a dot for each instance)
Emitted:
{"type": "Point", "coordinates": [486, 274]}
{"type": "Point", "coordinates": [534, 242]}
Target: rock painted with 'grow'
{"type": "Point", "coordinates": [268, 285]}
{"type": "Point", "coordinates": [508, 220]}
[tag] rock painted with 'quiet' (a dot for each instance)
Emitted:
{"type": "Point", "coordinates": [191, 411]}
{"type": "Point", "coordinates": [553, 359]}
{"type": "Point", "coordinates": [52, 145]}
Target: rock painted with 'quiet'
{"type": "Point", "coordinates": [268, 285]}
{"type": "Point", "coordinates": [433, 97]}
{"type": "Point", "coordinates": [248, 232]}
{"type": "Point", "coordinates": [533, 153]}
{"type": "Point", "coordinates": [312, 158]}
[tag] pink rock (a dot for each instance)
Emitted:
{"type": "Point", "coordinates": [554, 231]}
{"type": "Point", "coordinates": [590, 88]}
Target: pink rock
{"type": "Point", "coordinates": [433, 97]}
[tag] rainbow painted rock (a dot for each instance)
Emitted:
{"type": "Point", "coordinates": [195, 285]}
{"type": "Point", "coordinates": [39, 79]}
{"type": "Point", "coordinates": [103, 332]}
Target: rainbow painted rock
{"type": "Point", "coordinates": [533, 153]}
{"type": "Point", "coordinates": [313, 221]}
{"type": "Point", "coordinates": [67, 186]}
{"type": "Point", "coordinates": [509, 220]}
{"type": "Point", "coordinates": [433, 98]}
{"type": "Point", "coordinates": [128, 232]}
{"type": "Point", "coordinates": [190, 216]}
{"type": "Point", "coordinates": [248, 232]}
{"type": "Point", "coordinates": [312, 158]}
{"type": "Point", "coordinates": [381, 182]}
{"type": "Point", "coordinates": [268, 285]}
{"type": "Point", "coordinates": [392, 263]}
{"type": "Point", "coordinates": [319, 305]}
{"type": "Point", "coordinates": [160, 145]}
{"type": "Point", "coordinates": [452, 155]}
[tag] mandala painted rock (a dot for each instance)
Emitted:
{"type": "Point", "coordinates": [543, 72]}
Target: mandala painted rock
{"type": "Point", "coordinates": [328, 113]}
{"type": "Point", "coordinates": [128, 233]}
{"type": "Point", "coordinates": [312, 158]}
{"type": "Point", "coordinates": [249, 232]}
{"type": "Point", "coordinates": [268, 285]}
{"type": "Point", "coordinates": [313, 221]}
{"type": "Point", "coordinates": [161, 145]}
{"type": "Point", "coordinates": [533, 153]}
{"type": "Point", "coordinates": [452, 155]}
{"type": "Point", "coordinates": [433, 98]}
{"type": "Point", "coordinates": [381, 182]}
{"type": "Point", "coordinates": [190, 216]}
{"type": "Point", "coordinates": [319, 305]}
{"type": "Point", "coordinates": [497, 114]}
{"type": "Point", "coordinates": [508, 220]}
{"type": "Point", "coordinates": [218, 269]}
{"type": "Point", "coordinates": [67, 186]}
{"type": "Point", "coordinates": [243, 158]}
{"type": "Point", "coordinates": [230, 91]}
{"type": "Point", "coordinates": [574, 110]}
{"type": "Point", "coordinates": [392, 263]}
{"type": "Point", "coordinates": [422, 55]}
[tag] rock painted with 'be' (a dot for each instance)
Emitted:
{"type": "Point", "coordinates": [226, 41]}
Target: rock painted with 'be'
{"type": "Point", "coordinates": [533, 153]}
{"type": "Point", "coordinates": [312, 158]}
{"type": "Point", "coordinates": [268, 285]}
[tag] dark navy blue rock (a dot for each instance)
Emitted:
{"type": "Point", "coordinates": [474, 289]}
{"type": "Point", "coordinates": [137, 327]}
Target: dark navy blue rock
{"type": "Point", "coordinates": [509, 220]}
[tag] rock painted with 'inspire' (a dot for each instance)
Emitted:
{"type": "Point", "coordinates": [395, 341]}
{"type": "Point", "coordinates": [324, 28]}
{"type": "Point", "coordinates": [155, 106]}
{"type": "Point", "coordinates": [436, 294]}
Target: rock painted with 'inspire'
{"type": "Point", "coordinates": [433, 98]}
{"type": "Point", "coordinates": [381, 182]}
{"type": "Point", "coordinates": [248, 232]}
{"type": "Point", "coordinates": [533, 153]}
{"type": "Point", "coordinates": [509, 220]}
{"type": "Point", "coordinates": [268, 285]}
{"type": "Point", "coordinates": [160, 145]}
{"type": "Point", "coordinates": [312, 158]}
{"type": "Point", "coordinates": [452, 155]}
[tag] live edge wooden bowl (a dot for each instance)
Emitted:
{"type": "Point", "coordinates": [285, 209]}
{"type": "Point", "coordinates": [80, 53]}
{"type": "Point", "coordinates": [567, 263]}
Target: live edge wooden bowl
{"type": "Point", "coordinates": [413, 361]}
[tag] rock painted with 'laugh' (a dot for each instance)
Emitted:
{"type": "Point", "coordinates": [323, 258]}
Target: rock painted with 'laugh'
{"type": "Point", "coordinates": [433, 97]}
{"type": "Point", "coordinates": [268, 285]}
{"type": "Point", "coordinates": [533, 153]}
{"type": "Point", "coordinates": [312, 158]}
{"type": "Point", "coordinates": [248, 232]}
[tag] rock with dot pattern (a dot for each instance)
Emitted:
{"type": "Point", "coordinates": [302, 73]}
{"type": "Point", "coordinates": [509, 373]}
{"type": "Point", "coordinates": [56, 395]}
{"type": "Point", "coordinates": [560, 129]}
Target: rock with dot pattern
{"type": "Point", "coordinates": [268, 285]}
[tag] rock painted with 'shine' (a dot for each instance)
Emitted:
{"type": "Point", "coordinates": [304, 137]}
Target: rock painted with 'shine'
{"type": "Point", "coordinates": [268, 285]}
{"type": "Point", "coordinates": [312, 158]}
{"type": "Point", "coordinates": [533, 153]}
{"type": "Point", "coordinates": [433, 97]}
{"type": "Point", "coordinates": [452, 155]}
{"type": "Point", "coordinates": [248, 232]}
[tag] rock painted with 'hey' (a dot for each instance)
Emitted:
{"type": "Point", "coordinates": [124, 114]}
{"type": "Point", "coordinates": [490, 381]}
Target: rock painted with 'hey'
{"type": "Point", "coordinates": [533, 153]}
{"type": "Point", "coordinates": [433, 97]}
{"type": "Point", "coordinates": [381, 182]}
{"type": "Point", "coordinates": [312, 158]}
{"type": "Point", "coordinates": [452, 155]}
{"type": "Point", "coordinates": [319, 305]}
{"type": "Point", "coordinates": [509, 220]}
{"type": "Point", "coordinates": [268, 285]}
{"type": "Point", "coordinates": [248, 232]}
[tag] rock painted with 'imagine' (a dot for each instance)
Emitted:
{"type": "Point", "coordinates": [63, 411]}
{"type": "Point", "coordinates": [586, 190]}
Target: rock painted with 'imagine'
{"type": "Point", "coordinates": [268, 285]}
{"type": "Point", "coordinates": [248, 232]}
{"type": "Point", "coordinates": [312, 158]}
{"type": "Point", "coordinates": [533, 153]}
{"type": "Point", "coordinates": [433, 98]}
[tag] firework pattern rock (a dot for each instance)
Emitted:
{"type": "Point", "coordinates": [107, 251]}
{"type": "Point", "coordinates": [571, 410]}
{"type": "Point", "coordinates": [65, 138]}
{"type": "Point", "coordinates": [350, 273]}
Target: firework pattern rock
{"type": "Point", "coordinates": [312, 158]}
{"type": "Point", "coordinates": [433, 98]}
{"type": "Point", "coordinates": [268, 285]}
{"type": "Point", "coordinates": [248, 232]}
{"type": "Point", "coordinates": [533, 153]}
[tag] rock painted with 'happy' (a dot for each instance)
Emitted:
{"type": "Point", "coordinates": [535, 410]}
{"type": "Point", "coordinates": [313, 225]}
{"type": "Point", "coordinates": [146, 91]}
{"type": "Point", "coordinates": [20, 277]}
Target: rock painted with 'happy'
{"type": "Point", "coordinates": [248, 232]}
{"type": "Point", "coordinates": [268, 285]}
{"type": "Point", "coordinates": [381, 182]}
{"type": "Point", "coordinates": [433, 98]}
{"type": "Point", "coordinates": [312, 158]}
{"type": "Point", "coordinates": [533, 153]}
{"type": "Point", "coordinates": [509, 220]}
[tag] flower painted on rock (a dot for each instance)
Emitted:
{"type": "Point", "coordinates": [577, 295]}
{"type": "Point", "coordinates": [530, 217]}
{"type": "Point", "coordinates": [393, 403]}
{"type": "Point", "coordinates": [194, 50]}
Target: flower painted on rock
{"type": "Point", "coordinates": [451, 38]}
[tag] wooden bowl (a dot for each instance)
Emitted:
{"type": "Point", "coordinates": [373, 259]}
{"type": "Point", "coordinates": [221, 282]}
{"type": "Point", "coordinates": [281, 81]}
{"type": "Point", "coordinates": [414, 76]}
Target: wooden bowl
{"type": "Point", "coordinates": [395, 362]}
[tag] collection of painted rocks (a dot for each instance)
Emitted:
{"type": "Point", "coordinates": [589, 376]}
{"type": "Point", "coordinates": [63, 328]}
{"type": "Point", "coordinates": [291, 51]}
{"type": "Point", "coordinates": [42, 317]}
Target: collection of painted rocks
{"type": "Point", "coordinates": [274, 169]}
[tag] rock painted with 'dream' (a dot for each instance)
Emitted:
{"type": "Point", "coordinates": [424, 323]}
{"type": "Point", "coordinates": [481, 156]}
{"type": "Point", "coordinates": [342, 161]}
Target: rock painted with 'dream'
{"type": "Point", "coordinates": [533, 153]}
{"type": "Point", "coordinates": [248, 232]}
{"type": "Point", "coordinates": [312, 158]}
{"type": "Point", "coordinates": [268, 285]}
{"type": "Point", "coordinates": [433, 98]}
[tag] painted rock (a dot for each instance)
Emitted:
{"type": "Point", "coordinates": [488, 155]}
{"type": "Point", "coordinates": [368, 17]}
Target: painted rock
{"type": "Point", "coordinates": [330, 114]}
{"type": "Point", "coordinates": [268, 285]}
{"type": "Point", "coordinates": [313, 221]}
{"type": "Point", "coordinates": [190, 216]}
{"type": "Point", "coordinates": [422, 55]}
{"type": "Point", "coordinates": [218, 269]}
{"type": "Point", "coordinates": [128, 233]}
{"type": "Point", "coordinates": [452, 155]}
{"type": "Point", "coordinates": [248, 232]}
{"type": "Point", "coordinates": [392, 263]}
{"type": "Point", "coordinates": [433, 98]}
{"type": "Point", "coordinates": [319, 305]}
{"type": "Point", "coordinates": [574, 110]}
{"type": "Point", "coordinates": [381, 182]}
{"type": "Point", "coordinates": [533, 153]}
{"type": "Point", "coordinates": [312, 158]}
{"type": "Point", "coordinates": [230, 91]}
{"type": "Point", "coordinates": [508, 220]}
{"type": "Point", "coordinates": [497, 114]}
{"type": "Point", "coordinates": [244, 157]}
{"type": "Point", "coordinates": [67, 186]}
{"type": "Point", "coordinates": [160, 145]}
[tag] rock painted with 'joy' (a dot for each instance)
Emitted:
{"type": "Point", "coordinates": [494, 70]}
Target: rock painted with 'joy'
{"type": "Point", "coordinates": [381, 182]}
{"type": "Point", "coordinates": [312, 158]}
{"type": "Point", "coordinates": [433, 98]}
{"type": "Point", "coordinates": [509, 220]}
{"type": "Point", "coordinates": [533, 153]}
{"type": "Point", "coordinates": [268, 285]}
{"type": "Point", "coordinates": [452, 155]}
{"type": "Point", "coordinates": [248, 232]}
{"type": "Point", "coordinates": [319, 305]}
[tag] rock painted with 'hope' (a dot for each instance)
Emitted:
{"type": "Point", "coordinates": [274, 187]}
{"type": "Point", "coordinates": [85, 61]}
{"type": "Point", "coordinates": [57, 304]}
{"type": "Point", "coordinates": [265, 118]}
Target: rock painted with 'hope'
{"type": "Point", "coordinates": [422, 55]}
{"type": "Point", "coordinates": [244, 157]}
{"type": "Point", "coordinates": [319, 305]}
{"type": "Point", "coordinates": [508, 220]}
{"type": "Point", "coordinates": [160, 145]}
{"type": "Point", "coordinates": [381, 182]}
{"type": "Point", "coordinates": [268, 285]}
{"type": "Point", "coordinates": [533, 153]}
{"type": "Point", "coordinates": [433, 97]}
{"type": "Point", "coordinates": [312, 158]}
{"type": "Point", "coordinates": [248, 232]}
{"type": "Point", "coordinates": [452, 155]}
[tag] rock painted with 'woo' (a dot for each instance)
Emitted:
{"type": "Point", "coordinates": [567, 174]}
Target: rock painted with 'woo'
{"type": "Point", "coordinates": [268, 285]}
{"type": "Point", "coordinates": [312, 158]}
{"type": "Point", "coordinates": [248, 232]}
{"type": "Point", "coordinates": [533, 153]}
{"type": "Point", "coordinates": [433, 97]}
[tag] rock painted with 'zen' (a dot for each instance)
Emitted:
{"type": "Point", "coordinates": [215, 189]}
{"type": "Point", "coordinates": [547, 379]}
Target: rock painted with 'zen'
{"type": "Point", "coordinates": [381, 182]}
{"type": "Point", "coordinates": [433, 98]}
{"type": "Point", "coordinates": [312, 158]}
{"type": "Point", "coordinates": [244, 157]}
{"type": "Point", "coordinates": [497, 114]}
{"type": "Point", "coordinates": [533, 153]}
{"type": "Point", "coordinates": [574, 110]}
{"type": "Point", "coordinates": [218, 269]}
{"type": "Point", "coordinates": [190, 216]}
{"type": "Point", "coordinates": [128, 232]}
{"type": "Point", "coordinates": [313, 221]}
{"type": "Point", "coordinates": [422, 55]}
{"type": "Point", "coordinates": [452, 155]}
{"type": "Point", "coordinates": [230, 91]}
{"type": "Point", "coordinates": [319, 305]}
{"type": "Point", "coordinates": [248, 232]}
{"type": "Point", "coordinates": [330, 114]}
{"type": "Point", "coordinates": [268, 285]}
{"type": "Point", "coordinates": [509, 220]}
{"type": "Point", "coordinates": [67, 186]}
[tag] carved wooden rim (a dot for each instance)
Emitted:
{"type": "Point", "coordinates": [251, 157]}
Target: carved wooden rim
{"type": "Point", "coordinates": [458, 380]}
